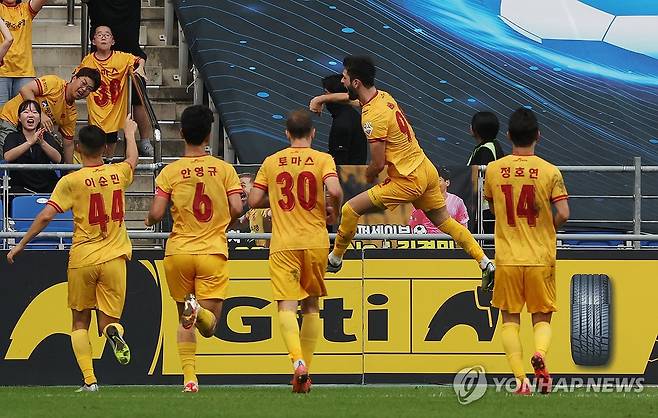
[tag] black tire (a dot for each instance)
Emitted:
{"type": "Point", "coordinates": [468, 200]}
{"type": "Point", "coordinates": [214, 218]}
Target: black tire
{"type": "Point", "coordinates": [591, 319]}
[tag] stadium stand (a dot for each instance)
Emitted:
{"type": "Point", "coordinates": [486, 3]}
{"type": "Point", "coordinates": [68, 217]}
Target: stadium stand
{"type": "Point", "coordinates": [23, 211]}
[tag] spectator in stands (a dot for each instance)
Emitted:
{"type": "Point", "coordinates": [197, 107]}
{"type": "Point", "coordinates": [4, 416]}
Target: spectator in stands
{"type": "Point", "coordinates": [347, 142]}
{"type": "Point", "coordinates": [17, 69]}
{"type": "Point", "coordinates": [57, 100]}
{"type": "Point", "coordinates": [260, 220]}
{"type": "Point", "coordinates": [456, 208]}
{"type": "Point", "coordinates": [124, 18]}
{"type": "Point", "coordinates": [108, 106]}
{"type": "Point", "coordinates": [484, 128]}
{"type": "Point", "coordinates": [31, 144]}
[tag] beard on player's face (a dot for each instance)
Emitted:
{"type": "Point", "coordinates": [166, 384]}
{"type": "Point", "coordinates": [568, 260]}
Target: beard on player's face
{"type": "Point", "coordinates": [351, 92]}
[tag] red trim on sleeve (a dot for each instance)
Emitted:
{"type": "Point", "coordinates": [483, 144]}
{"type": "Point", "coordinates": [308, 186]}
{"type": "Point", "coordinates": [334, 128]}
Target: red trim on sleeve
{"type": "Point", "coordinates": [40, 86]}
{"type": "Point", "coordinates": [558, 198]}
{"type": "Point", "coordinates": [161, 193]}
{"type": "Point", "coordinates": [55, 206]}
{"type": "Point", "coordinates": [488, 198]}
{"type": "Point", "coordinates": [234, 191]}
{"type": "Point", "coordinates": [260, 186]}
{"type": "Point", "coordinates": [326, 176]}
{"type": "Point", "coordinates": [383, 139]}
{"type": "Point", "coordinates": [32, 12]}
{"type": "Point", "coordinates": [67, 137]}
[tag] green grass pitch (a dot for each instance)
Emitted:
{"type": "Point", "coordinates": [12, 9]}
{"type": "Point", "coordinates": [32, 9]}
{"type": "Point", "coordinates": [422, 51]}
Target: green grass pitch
{"type": "Point", "coordinates": [324, 401]}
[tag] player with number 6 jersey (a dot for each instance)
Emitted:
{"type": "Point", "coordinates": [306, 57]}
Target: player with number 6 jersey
{"type": "Point", "coordinates": [97, 259]}
{"type": "Point", "coordinates": [524, 191]}
{"type": "Point", "coordinates": [205, 197]}
{"type": "Point", "coordinates": [292, 181]}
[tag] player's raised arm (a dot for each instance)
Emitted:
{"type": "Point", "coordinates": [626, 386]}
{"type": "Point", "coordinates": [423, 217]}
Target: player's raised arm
{"type": "Point", "coordinates": [129, 129]}
{"type": "Point", "coordinates": [42, 220]}
{"type": "Point", "coordinates": [7, 39]}
{"type": "Point", "coordinates": [318, 102]}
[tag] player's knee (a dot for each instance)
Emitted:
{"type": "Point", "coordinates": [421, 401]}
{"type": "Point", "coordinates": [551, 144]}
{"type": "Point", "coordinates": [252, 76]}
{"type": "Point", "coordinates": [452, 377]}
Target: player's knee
{"type": "Point", "coordinates": [348, 212]}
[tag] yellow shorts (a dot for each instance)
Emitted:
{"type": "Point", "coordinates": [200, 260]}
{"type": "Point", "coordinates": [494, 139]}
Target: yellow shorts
{"type": "Point", "coordinates": [420, 187]}
{"type": "Point", "coordinates": [298, 274]}
{"type": "Point", "coordinates": [533, 286]}
{"type": "Point", "coordinates": [205, 275]}
{"type": "Point", "coordinates": [101, 286]}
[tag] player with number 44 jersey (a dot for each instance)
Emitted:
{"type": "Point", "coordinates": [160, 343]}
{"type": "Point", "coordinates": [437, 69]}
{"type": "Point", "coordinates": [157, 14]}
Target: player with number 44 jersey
{"type": "Point", "coordinates": [97, 260]}
{"type": "Point", "coordinates": [205, 197]}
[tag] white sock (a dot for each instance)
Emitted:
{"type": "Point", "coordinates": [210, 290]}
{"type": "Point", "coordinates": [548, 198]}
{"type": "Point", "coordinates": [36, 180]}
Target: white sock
{"type": "Point", "coordinates": [484, 262]}
{"type": "Point", "coordinates": [335, 260]}
{"type": "Point", "coordinates": [298, 363]}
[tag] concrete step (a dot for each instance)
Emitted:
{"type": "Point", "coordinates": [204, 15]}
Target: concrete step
{"type": "Point", "coordinates": [169, 131]}
{"type": "Point", "coordinates": [45, 55]}
{"type": "Point", "coordinates": [56, 32]}
{"type": "Point", "coordinates": [165, 111]}
{"type": "Point", "coordinates": [55, 11]}
{"type": "Point", "coordinates": [153, 73]}
{"type": "Point", "coordinates": [173, 93]}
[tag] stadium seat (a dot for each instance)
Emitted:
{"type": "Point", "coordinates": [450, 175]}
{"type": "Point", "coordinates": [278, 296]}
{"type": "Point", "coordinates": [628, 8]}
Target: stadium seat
{"type": "Point", "coordinates": [26, 208]}
{"type": "Point", "coordinates": [590, 243]}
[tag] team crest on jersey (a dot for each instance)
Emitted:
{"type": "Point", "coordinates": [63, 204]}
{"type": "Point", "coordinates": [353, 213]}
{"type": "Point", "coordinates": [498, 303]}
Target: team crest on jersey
{"type": "Point", "coordinates": [367, 128]}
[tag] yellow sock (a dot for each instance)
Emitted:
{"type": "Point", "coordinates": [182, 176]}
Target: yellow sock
{"type": "Point", "coordinates": [205, 321]}
{"type": "Point", "coordinates": [543, 334]}
{"type": "Point", "coordinates": [346, 230]}
{"type": "Point", "coordinates": [117, 325]}
{"type": "Point", "coordinates": [463, 237]}
{"type": "Point", "coordinates": [290, 333]}
{"type": "Point", "coordinates": [311, 328]}
{"type": "Point", "coordinates": [82, 350]}
{"type": "Point", "coordinates": [187, 352]}
{"type": "Point", "coordinates": [513, 349]}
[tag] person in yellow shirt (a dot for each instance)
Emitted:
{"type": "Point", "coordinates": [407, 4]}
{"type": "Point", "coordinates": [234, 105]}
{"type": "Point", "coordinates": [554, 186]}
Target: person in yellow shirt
{"type": "Point", "coordinates": [108, 106]}
{"type": "Point", "coordinates": [57, 100]}
{"type": "Point", "coordinates": [523, 190]}
{"type": "Point", "coordinates": [97, 259]}
{"type": "Point", "coordinates": [412, 178]}
{"type": "Point", "coordinates": [204, 193]}
{"type": "Point", "coordinates": [17, 68]}
{"type": "Point", "coordinates": [292, 182]}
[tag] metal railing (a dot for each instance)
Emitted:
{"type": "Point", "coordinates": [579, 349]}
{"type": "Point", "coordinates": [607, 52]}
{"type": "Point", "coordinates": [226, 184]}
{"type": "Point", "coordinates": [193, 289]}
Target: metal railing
{"type": "Point", "coordinates": [153, 119]}
{"type": "Point", "coordinates": [635, 237]}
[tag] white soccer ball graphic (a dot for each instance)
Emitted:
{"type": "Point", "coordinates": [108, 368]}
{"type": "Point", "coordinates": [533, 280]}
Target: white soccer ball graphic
{"type": "Point", "coordinates": [574, 20]}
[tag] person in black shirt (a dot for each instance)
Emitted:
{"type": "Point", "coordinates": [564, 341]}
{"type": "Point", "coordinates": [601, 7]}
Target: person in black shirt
{"type": "Point", "coordinates": [484, 128]}
{"type": "Point", "coordinates": [347, 142]}
{"type": "Point", "coordinates": [31, 144]}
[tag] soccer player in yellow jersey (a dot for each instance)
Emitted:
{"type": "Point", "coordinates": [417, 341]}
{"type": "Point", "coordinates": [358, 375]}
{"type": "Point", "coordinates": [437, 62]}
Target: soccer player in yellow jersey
{"type": "Point", "coordinates": [57, 100]}
{"type": "Point", "coordinates": [292, 182]}
{"type": "Point", "coordinates": [412, 178]}
{"type": "Point", "coordinates": [204, 193]}
{"type": "Point", "coordinates": [524, 191]}
{"type": "Point", "coordinates": [108, 105]}
{"type": "Point", "coordinates": [97, 260]}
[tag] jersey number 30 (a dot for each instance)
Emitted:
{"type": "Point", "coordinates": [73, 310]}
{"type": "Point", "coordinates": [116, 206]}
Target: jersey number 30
{"type": "Point", "coordinates": [307, 190]}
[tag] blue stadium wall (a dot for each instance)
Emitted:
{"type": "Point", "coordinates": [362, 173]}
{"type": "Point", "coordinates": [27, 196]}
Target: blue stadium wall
{"type": "Point", "coordinates": [442, 61]}
{"type": "Point", "coordinates": [391, 316]}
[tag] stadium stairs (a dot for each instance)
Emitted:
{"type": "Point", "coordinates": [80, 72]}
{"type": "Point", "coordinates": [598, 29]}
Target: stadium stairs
{"type": "Point", "coordinates": [56, 50]}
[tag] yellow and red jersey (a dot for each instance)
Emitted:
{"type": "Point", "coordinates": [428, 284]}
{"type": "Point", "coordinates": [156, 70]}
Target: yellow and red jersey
{"type": "Point", "coordinates": [384, 121]}
{"type": "Point", "coordinates": [18, 60]}
{"type": "Point", "coordinates": [294, 180]}
{"type": "Point", "coordinates": [108, 106]}
{"type": "Point", "coordinates": [198, 188]}
{"type": "Point", "coordinates": [52, 99]}
{"type": "Point", "coordinates": [523, 189]}
{"type": "Point", "coordinates": [96, 197]}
